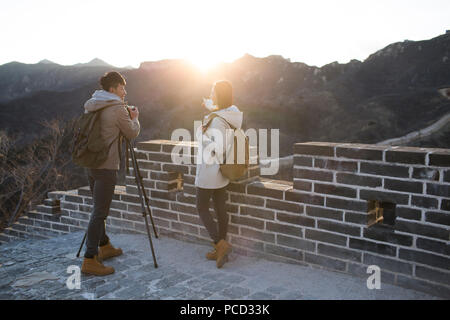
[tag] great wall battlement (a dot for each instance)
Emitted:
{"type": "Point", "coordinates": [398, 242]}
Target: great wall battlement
{"type": "Point", "coordinates": [326, 217]}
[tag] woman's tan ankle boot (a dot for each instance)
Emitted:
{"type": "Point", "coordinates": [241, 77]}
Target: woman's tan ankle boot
{"type": "Point", "coordinates": [223, 249]}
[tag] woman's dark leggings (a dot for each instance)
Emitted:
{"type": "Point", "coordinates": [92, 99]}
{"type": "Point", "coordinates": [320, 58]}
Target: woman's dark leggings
{"type": "Point", "coordinates": [102, 183]}
{"type": "Point", "coordinates": [217, 231]}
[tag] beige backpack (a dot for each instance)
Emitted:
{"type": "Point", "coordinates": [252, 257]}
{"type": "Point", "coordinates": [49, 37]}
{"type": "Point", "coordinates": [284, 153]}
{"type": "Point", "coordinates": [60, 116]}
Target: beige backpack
{"type": "Point", "coordinates": [236, 162]}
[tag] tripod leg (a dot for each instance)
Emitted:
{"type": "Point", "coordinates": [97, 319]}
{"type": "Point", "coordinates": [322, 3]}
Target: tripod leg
{"type": "Point", "coordinates": [82, 243]}
{"type": "Point", "coordinates": [140, 183]}
{"type": "Point", "coordinates": [150, 240]}
{"type": "Point", "coordinates": [144, 213]}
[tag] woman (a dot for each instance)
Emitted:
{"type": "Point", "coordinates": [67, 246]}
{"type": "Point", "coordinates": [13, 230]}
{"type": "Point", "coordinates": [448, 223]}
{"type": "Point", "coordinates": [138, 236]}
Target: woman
{"type": "Point", "coordinates": [209, 181]}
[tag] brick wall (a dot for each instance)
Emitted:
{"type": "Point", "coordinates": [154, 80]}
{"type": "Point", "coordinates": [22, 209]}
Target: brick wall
{"type": "Point", "coordinates": [320, 218]}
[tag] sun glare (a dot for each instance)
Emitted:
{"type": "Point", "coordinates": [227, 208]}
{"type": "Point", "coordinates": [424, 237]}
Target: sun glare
{"type": "Point", "coordinates": [204, 63]}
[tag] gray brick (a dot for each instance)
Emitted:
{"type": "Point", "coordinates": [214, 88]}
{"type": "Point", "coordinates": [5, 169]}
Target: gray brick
{"type": "Point", "coordinates": [257, 235]}
{"type": "Point", "coordinates": [445, 204]}
{"type": "Point", "coordinates": [403, 155]}
{"type": "Point", "coordinates": [161, 157]}
{"type": "Point", "coordinates": [184, 208]}
{"type": "Point", "coordinates": [302, 185]}
{"type": "Point", "coordinates": [438, 189]}
{"type": "Point", "coordinates": [184, 227]}
{"type": "Point", "coordinates": [350, 166]}
{"type": "Point", "coordinates": [392, 197]}
{"type": "Point", "coordinates": [325, 261]}
{"type": "Point", "coordinates": [339, 252]}
{"type": "Point", "coordinates": [339, 227]}
{"type": "Point", "coordinates": [303, 161]}
{"type": "Point", "coordinates": [422, 229]}
{"type": "Point", "coordinates": [384, 170]}
{"type": "Point", "coordinates": [425, 258]}
{"type": "Point", "coordinates": [324, 213]}
{"type": "Point", "coordinates": [60, 227]}
{"type": "Point", "coordinates": [76, 199]}
{"type": "Point", "coordinates": [70, 206]}
{"type": "Point", "coordinates": [149, 146]}
{"type": "Point", "coordinates": [245, 199]}
{"type": "Point", "coordinates": [426, 174]}
{"type": "Point", "coordinates": [424, 202]}
{"type": "Point", "coordinates": [246, 243]}
{"type": "Point", "coordinates": [165, 214]}
{"type": "Point", "coordinates": [354, 179]}
{"type": "Point", "coordinates": [433, 275]}
{"type": "Point", "coordinates": [406, 186]}
{"type": "Point", "coordinates": [255, 223]}
{"type": "Point", "coordinates": [388, 264]}
{"type": "Point", "coordinates": [352, 205]}
{"type": "Point", "coordinates": [176, 168]}
{"type": "Point", "coordinates": [312, 174]}
{"type": "Point", "coordinates": [284, 252]}
{"type": "Point", "coordinates": [408, 213]}
{"type": "Point", "coordinates": [380, 233]}
{"type": "Point", "coordinates": [295, 243]}
{"type": "Point", "coordinates": [265, 191]}
{"type": "Point", "coordinates": [298, 196]}
{"type": "Point", "coordinates": [257, 212]}
{"type": "Point", "coordinates": [296, 219]}
{"type": "Point", "coordinates": [437, 217]}
{"type": "Point", "coordinates": [284, 206]}
{"type": "Point", "coordinates": [284, 228]}
{"type": "Point", "coordinates": [440, 159]}
{"type": "Point", "coordinates": [335, 190]}
{"type": "Point", "coordinates": [366, 153]}
{"type": "Point", "coordinates": [325, 237]}
{"type": "Point", "coordinates": [314, 149]}
{"type": "Point", "coordinates": [424, 286]}
{"type": "Point", "coordinates": [168, 195]}
{"type": "Point", "coordinates": [433, 245]}
{"type": "Point", "coordinates": [164, 176]}
{"type": "Point", "coordinates": [379, 248]}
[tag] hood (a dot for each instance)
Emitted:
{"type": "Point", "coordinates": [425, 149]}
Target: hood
{"type": "Point", "coordinates": [100, 99]}
{"type": "Point", "coordinates": [232, 114]}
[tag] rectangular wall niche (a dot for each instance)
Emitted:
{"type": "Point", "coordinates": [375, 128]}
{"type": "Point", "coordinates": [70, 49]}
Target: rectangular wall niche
{"type": "Point", "coordinates": [380, 212]}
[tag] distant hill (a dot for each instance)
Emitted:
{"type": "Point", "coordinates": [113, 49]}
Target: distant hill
{"type": "Point", "coordinates": [19, 80]}
{"type": "Point", "coordinates": [96, 62]}
{"type": "Point", "coordinates": [393, 92]}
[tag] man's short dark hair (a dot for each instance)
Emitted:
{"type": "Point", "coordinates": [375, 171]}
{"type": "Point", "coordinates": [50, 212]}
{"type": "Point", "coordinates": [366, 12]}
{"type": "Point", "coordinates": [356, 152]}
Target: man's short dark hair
{"type": "Point", "coordinates": [111, 80]}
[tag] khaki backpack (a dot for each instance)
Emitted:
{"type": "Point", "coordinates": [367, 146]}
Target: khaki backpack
{"type": "Point", "coordinates": [237, 162]}
{"type": "Point", "coordinates": [89, 149]}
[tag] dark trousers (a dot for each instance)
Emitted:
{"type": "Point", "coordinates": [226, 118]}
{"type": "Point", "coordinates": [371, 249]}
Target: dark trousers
{"type": "Point", "coordinates": [217, 231]}
{"type": "Point", "coordinates": [102, 183]}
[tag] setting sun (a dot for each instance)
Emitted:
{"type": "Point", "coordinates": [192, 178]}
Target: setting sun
{"type": "Point", "coordinates": [204, 63]}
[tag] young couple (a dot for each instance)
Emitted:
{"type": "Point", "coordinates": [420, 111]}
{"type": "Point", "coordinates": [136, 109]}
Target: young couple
{"type": "Point", "coordinates": [119, 119]}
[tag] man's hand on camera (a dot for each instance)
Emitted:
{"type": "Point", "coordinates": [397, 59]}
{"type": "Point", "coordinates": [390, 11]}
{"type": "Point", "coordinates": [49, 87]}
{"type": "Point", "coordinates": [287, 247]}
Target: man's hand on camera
{"type": "Point", "coordinates": [134, 113]}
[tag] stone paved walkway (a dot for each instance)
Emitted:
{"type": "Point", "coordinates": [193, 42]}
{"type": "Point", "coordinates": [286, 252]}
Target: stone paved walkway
{"type": "Point", "coordinates": [183, 273]}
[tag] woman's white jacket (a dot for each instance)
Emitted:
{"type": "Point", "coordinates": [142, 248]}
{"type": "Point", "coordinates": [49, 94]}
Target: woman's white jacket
{"type": "Point", "coordinates": [212, 145]}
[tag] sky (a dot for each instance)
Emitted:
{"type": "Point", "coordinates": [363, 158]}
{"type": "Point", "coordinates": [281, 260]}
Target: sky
{"type": "Point", "coordinates": [128, 32]}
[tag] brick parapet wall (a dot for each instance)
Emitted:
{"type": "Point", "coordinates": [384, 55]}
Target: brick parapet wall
{"type": "Point", "coordinates": [320, 218]}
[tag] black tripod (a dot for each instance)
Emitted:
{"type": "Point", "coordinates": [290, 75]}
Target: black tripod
{"type": "Point", "coordinates": [142, 197]}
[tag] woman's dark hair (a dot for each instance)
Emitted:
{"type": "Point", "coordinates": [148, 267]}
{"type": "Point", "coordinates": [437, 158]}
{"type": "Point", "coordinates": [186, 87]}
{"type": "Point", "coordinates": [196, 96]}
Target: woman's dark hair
{"type": "Point", "coordinates": [224, 93]}
{"type": "Point", "coordinates": [111, 80]}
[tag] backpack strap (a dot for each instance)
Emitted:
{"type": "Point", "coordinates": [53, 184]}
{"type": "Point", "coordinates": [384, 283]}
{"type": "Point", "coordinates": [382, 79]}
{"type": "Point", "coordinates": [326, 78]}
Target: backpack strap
{"type": "Point", "coordinates": [211, 117]}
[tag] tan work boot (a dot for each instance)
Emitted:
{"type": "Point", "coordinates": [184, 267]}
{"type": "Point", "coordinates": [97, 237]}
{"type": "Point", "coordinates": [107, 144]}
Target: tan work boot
{"type": "Point", "coordinates": [212, 255]}
{"type": "Point", "coordinates": [108, 251]}
{"type": "Point", "coordinates": [95, 267]}
{"type": "Point", "coordinates": [223, 248]}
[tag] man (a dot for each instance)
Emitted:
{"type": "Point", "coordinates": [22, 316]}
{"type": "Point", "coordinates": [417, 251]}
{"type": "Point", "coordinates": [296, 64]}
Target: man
{"type": "Point", "coordinates": [115, 119]}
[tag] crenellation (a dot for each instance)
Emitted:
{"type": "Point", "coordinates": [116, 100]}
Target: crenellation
{"type": "Point", "coordinates": [319, 218]}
